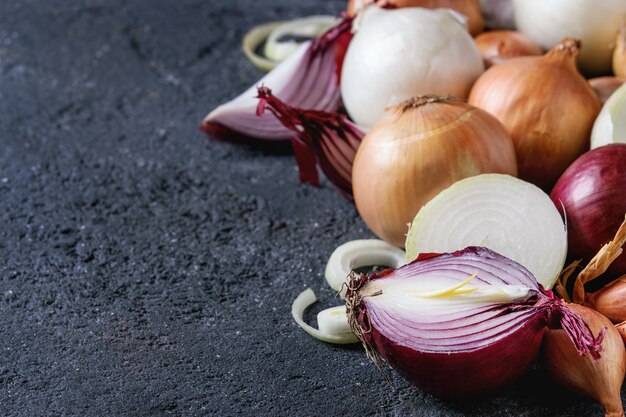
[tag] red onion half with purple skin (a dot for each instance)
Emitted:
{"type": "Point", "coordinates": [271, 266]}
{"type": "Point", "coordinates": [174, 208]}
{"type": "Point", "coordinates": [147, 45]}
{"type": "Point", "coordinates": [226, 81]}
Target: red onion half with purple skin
{"type": "Point", "coordinates": [593, 193]}
{"type": "Point", "coordinates": [459, 324]}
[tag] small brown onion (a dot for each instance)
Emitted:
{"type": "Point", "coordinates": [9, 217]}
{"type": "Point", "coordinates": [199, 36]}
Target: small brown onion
{"type": "Point", "coordinates": [499, 45]}
{"type": "Point", "coordinates": [469, 8]}
{"type": "Point", "coordinates": [547, 107]}
{"type": "Point", "coordinates": [600, 379]}
{"type": "Point", "coordinates": [605, 86]}
{"type": "Point", "coordinates": [619, 54]}
{"type": "Point", "coordinates": [418, 149]}
{"type": "Point", "coordinates": [610, 300]}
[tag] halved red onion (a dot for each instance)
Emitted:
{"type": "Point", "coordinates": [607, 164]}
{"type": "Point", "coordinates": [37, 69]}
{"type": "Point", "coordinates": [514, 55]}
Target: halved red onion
{"type": "Point", "coordinates": [461, 323]}
{"type": "Point", "coordinates": [308, 79]}
{"type": "Point", "coordinates": [327, 139]}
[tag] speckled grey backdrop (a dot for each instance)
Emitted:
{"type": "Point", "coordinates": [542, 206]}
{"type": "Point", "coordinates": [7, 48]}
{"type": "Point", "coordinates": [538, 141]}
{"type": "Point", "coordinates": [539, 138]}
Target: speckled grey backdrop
{"type": "Point", "coordinates": [146, 271]}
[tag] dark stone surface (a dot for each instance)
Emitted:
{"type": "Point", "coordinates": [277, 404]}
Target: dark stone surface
{"type": "Point", "coordinates": [147, 271]}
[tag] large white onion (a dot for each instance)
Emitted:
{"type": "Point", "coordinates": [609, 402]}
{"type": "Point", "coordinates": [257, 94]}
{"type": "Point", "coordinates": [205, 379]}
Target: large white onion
{"type": "Point", "coordinates": [402, 53]}
{"type": "Point", "coordinates": [595, 22]}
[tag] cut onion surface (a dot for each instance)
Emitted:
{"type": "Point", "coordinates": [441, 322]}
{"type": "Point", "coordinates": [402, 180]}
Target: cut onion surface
{"type": "Point", "coordinates": [308, 79]}
{"type": "Point", "coordinates": [500, 212]}
{"type": "Point", "coordinates": [358, 254]}
{"type": "Point", "coordinates": [332, 322]}
{"type": "Point", "coordinates": [459, 324]}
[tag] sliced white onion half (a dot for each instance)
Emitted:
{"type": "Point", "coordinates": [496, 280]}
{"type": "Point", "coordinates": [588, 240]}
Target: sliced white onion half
{"type": "Point", "coordinates": [610, 126]}
{"type": "Point", "coordinates": [507, 215]}
{"type": "Point", "coordinates": [332, 322]}
{"type": "Point", "coordinates": [358, 254]}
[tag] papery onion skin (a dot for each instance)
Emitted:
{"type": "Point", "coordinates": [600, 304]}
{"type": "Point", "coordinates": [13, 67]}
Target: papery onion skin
{"type": "Point", "coordinates": [592, 192]}
{"type": "Point", "coordinates": [397, 54]}
{"type": "Point", "coordinates": [605, 86]}
{"type": "Point", "coordinates": [466, 374]}
{"type": "Point", "coordinates": [469, 8]}
{"type": "Point", "coordinates": [418, 149]}
{"type": "Point", "coordinates": [499, 45]}
{"type": "Point", "coordinates": [547, 107]}
{"type": "Point", "coordinates": [610, 300]}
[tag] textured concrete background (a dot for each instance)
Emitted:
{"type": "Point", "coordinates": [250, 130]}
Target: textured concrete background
{"type": "Point", "coordinates": [147, 271]}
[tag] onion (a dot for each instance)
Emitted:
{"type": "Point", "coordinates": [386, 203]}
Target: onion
{"type": "Point", "coordinates": [398, 54]}
{"type": "Point", "coordinates": [499, 45]}
{"type": "Point", "coordinates": [604, 88]}
{"type": "Point", "coordinates": [591, 192]}
{"type": "Point", "coordinates": [621, 328]}
{"type": "Point", "coordinates": [610, 126]}
{"type": "Point", "coordinates": [329, 140]}
{"type": "Point", "coordinates": [308, 78]}
{"type": "Point", "coordinates": [596, 23]}
{"type": "Point", "coordinates": [332, 322]}
{"type": "Point", "coordinates": [601, 378]}
{"type": "Point", "coordinates": [498, 13]}
{"type": "Point", "coordinates": [547, 107]}
{"type": "Point", "coordinates": [610, 300]}
{"type": "Point", "coordinates": [458, 324]}
{"type": "Point", "coordinates": [419, 148]}
{"type": "Point", "coordinates": [288, 36]}
{"type": "Point", "coordinates": [469, 8]}
{"type": "Point", "coordinates": [502, 213]}
{"type": "Point", "coordinates": [358, 254]}
{"type": "Point", "coordinates": [619, 54]}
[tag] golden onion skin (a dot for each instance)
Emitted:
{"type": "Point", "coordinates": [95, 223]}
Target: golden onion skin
{"type": "Point", "coordinates": [418, 149]}
{"type": "Point", "coordinates": [547, 107]}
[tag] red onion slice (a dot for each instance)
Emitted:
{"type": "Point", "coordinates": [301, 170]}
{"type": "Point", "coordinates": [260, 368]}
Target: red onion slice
{"type": "Point", "coordinates": [308, 78]}
{"type": "Point", "coordinates": [329, 140]}
{"type": "Point", "coordinates": [461, 323]}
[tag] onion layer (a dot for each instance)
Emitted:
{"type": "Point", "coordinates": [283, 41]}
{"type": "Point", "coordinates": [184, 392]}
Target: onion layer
{"type": "Point", "coordinates": [592, 194]}
{"type": "Point", "coordinates": [547, 107]}
{"type": "Point", "coordinates": [610, 126]}
{"type": "Point", "coordinates": [419, 148]}
{"type": "Point", "coordinates": [505, 214]}
{"type": "Point", "coordinates": [458, 324]}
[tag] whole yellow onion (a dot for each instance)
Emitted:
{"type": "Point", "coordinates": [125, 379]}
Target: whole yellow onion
{"type": "Point", "coordinates": [419, 148]}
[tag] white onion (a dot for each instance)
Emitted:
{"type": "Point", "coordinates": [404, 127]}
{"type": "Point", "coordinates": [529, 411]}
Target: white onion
{"type": "Point", "coordinates": [595, 22]}
{"type": "Point", "coordinates": [406, 52]}
{"type": "Point", "coordinates": [610, 126]}
{"type": "Point", "coordinates": [500, 212]}
{"type": "Point", "coordinates": [357, 254]}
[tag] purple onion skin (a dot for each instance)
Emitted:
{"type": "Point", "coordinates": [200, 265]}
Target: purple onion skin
{"type": "Point", "coordinates": [593, 192]}
{"type": "Point", "coordinates": [465, 374]}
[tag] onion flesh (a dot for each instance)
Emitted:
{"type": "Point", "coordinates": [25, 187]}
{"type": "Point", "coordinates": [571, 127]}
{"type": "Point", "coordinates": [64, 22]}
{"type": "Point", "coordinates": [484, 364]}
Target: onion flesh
{"type": "Point", "coordinates": [610, 126]}
{"type": "Point", "coordinates": [357, 254]}
{"type": "Point", "coordinates": [332, 333]}
{"type": "Point", "coordinates": [591, 191]}
{"type": "Point", "coordinates": [500, 212]}
{"type": "Point", "coordinates": [483, 325]}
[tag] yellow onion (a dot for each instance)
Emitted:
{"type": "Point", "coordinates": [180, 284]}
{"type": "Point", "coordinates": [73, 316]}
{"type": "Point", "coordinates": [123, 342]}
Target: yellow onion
{"type": "Point", "coordinates": [419, 148]}
{"type": "Point", "coordinates": [621, 328]}
{"type": "Point", "coordinates": [469, 8]}
{"type": "Point", "coordinates": [499, 45]}
{"type": "Point", "coordinates": [547, 107]}
{"type": "Point", "coordinates": [619, 54]}
{"type": "Point", "coordinates": [610, 300]}
{"type": "Point", "coordinates": [601, 378]}
{"type": "Point", "coordinates": [605, 86]}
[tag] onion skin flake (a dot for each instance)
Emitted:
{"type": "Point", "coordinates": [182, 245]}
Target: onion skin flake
{"type": "Point", "coordinates": [459, 345]}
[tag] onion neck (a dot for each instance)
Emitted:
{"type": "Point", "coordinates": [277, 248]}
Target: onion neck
{"type": "Point", "coordinates": [419, 101]}
{"type": "Point", "coordinates": [566, 51]}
